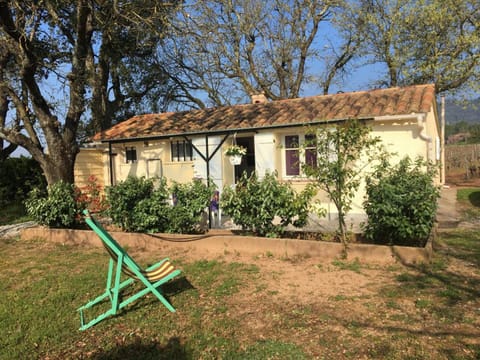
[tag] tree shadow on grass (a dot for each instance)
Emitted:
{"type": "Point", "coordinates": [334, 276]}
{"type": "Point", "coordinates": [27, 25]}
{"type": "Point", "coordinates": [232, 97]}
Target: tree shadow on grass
{"type": "Point", "coordinates": [474, 198]}
{"type": "Point", "coordinates": [140, 350]}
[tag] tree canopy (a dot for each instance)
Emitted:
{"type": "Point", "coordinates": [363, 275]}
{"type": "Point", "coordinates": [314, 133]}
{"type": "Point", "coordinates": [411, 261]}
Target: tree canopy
{"type": "Point", "coordinates": [62, 61]}
{"type": "Point", "coordinates": [426, 41]}
{"type": "Point", "coordinates": [229, 50]}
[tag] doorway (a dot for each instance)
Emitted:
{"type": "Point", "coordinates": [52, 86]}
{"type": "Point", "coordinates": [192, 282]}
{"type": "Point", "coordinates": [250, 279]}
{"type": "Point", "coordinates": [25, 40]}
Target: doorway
{"type": "Point", "coordinates": [248, 161]}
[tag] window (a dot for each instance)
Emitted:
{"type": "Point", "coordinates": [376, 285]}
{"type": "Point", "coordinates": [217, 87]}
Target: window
{"type": "Point", "coordinates": [130, 155]}
{"type": "Point", "coordinates": [181, 150]}
{"type": "Point", "coordinates": [294, 157]}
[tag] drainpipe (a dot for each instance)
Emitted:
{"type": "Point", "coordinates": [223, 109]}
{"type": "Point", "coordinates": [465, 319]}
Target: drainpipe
{"type": "Point", "coordinates": [420, 118]}
{"type": "Point", "coordinates": [110, 162]}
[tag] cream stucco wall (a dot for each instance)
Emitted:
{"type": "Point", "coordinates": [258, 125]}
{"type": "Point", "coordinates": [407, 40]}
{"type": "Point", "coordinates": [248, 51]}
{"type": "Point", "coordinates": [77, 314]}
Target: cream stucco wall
{"type": "Point", "coordinates": [90, 163]}
{"type": "Point", "coordinates": [153, 160]}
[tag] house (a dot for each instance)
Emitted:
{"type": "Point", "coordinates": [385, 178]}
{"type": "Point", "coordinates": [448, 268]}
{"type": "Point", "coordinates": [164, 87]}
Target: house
{"type": "Point", "coordinates": [191, 144]}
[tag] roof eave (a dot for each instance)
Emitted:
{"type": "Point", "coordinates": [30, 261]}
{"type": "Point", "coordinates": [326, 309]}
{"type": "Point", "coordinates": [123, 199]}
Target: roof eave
{"type": "Point", "coordinates": [232, 131]}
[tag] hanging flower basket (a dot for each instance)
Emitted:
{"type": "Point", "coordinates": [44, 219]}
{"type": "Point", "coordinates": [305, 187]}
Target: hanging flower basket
{"type": "Point", "coordinates": [235, 159]}
{"type": "Point", "coordinates": [235, 153]}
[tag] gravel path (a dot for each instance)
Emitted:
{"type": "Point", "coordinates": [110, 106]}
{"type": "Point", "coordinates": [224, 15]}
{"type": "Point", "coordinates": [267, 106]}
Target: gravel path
{"type": "Point", "coordinates": [14, 230]}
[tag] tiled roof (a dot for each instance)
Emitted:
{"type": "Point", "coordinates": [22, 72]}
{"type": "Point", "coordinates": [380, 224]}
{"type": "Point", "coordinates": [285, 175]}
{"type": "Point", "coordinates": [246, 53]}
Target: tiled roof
{"type": "Point", "coordinates": [360, 105]}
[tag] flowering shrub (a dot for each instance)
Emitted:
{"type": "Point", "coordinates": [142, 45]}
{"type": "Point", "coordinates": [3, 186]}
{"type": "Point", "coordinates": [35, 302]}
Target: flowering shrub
{"type": "Point", "coordinates": [92, 195]}
{"type": "Point", "coordinates": [235, 150]}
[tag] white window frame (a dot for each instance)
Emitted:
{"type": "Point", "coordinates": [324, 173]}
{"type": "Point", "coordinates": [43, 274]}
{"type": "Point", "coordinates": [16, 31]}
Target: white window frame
{"type": "Point", "coordinates": [301, 152]}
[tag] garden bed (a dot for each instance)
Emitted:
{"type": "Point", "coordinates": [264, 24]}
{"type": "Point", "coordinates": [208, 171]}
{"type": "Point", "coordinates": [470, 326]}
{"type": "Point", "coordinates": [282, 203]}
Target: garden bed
{"type": "Point", "coordinates": [219, 242]}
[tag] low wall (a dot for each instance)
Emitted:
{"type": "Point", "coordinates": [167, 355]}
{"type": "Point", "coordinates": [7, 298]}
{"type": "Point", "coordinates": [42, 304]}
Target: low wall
{"type": "Point", "coordinates": [219, 243]}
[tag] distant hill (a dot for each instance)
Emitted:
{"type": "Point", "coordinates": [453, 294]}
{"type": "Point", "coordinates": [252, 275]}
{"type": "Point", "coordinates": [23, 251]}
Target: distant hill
{"type": "Point", "coordinates": [468, 112]}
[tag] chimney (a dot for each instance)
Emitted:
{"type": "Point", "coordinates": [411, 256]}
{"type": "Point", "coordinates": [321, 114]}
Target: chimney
{"type": "Point", "coordinates": [259, 98]}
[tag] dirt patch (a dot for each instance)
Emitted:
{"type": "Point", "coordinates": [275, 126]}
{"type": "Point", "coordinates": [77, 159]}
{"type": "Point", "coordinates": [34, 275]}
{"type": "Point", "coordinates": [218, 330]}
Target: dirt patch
{"type": "Point", "coordinates": [301, 279]}
{"type": "Point", "coordinates": [460, 179]}
{"type": "Point", "coordinates": [334, 306]}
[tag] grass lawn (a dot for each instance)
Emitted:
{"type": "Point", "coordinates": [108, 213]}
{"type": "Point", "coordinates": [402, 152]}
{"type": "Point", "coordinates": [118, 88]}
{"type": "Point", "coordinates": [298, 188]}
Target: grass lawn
{"type": "Point", "coordinates": [468, 203]}
{"type": "Point", "coordinates": [234, 310]}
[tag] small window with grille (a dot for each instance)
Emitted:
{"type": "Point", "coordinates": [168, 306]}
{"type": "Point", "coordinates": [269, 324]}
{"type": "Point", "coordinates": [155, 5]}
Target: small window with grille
{"type": "Point", "coordinates": [181, 150]}
{"type": "Point", "coordinates": [130, 155]}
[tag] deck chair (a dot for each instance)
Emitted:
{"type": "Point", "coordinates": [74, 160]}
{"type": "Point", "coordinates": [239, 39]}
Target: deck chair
{"type": "Point", "coordinates": [120, 262]}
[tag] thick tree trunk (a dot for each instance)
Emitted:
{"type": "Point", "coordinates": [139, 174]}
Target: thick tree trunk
{"type": "Point", "coordinates": [58, 168]}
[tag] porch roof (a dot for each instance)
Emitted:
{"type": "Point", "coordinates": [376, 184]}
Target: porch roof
{"type": "Point", "coordinates": [281, 113]}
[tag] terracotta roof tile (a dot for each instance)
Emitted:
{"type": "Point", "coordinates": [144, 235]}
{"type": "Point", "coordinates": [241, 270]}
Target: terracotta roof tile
{"type": "Point", "coordinates": [362, 104]}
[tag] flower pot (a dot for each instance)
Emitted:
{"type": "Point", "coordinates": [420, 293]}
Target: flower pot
{"type": "Point", "coordinates": [235, 159]}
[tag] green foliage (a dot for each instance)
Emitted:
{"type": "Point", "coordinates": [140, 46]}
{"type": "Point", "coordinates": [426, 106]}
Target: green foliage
{"type": "Point", "coordinates": [462, 127]}
{"type": "Point", "coordinates": [394, 33]}
{"type": "Point", "coordinates": [19, 176]}
{"type": "Point", "coordinates": [124, 197]}
{"type": "Point", "coordinates": [58, 208]}
{"type": "Point", "coordinates": [254, 204]}
{"type": "Point", "coordinates": [140, 205]}
{"type": "Point", "coordinates": [401, 203]}
{"type": "Point", "coordinates": [191, 201]}
{"type": "Point", "coordinates": [14, 213]}
{"type": "Point", "coordinates": [343, 153]}
{"type": "Point", "coordinates": [469, 203]}
{"type": "Point", "coordinates": [150, 214]}
{"type": "Point", "coordinates": [470, 196]}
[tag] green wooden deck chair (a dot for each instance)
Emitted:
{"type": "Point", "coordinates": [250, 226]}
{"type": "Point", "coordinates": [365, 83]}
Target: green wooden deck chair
{"type": "Point", "coordinates": [121, 262]}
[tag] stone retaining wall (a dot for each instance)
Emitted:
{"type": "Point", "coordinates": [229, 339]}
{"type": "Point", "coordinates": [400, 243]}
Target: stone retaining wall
{"type": "Point", "coordinates": [217, 244]}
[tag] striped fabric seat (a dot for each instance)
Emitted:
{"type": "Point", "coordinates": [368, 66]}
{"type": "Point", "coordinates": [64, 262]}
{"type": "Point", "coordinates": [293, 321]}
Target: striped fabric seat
{"type": "Point", "coordinates": [121, 263]}
{"type": "Point", "coordinates": [165, 269]}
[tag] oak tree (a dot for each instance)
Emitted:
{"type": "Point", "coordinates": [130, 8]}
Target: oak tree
{"type": "Point", "coordinates": [229, 50]}
{"type": "Point", "coordinates": [63, 62]}
{"type": "Point", "coordinates": [426, 41]}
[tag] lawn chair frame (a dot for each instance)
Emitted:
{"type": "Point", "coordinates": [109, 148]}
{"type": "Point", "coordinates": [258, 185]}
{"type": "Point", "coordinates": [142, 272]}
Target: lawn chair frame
{"type": "Point", "coordinates": [120, 262]}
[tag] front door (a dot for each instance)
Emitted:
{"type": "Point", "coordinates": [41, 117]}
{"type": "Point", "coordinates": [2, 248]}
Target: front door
{"type": "Point", "coordinates": [248, 161]}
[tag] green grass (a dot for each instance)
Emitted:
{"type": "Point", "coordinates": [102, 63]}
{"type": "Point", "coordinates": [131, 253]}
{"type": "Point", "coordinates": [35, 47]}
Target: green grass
{"type": "Point", "coordinates": [469, 203]}
{"type": "Point", "coordinates": [43, 284]}
{"type": "Point", "coordinates": [469, 195]}
{"type": "Point", "coordinates": [354, 265]}
{"type": "Point", "coordinates": [228, 310]}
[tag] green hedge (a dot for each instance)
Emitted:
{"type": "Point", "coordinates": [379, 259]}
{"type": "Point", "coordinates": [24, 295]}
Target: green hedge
{"type": "Point", "coordinates": [145, 205]}
{"type": "Point", "coordinates": [401, 203]}
{"type": "Point", "coordinates": [255, 204]}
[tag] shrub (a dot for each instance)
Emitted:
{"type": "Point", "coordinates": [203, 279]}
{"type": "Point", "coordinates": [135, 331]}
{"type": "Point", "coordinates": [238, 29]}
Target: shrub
{"type": "Point", "coordinates": [137, 205]}
{"type": "Point", "coordinates": [254, 204]}
{"type": "Point", "coordinates": [124, 197]}
{"type": "Point", "coordinates": [151, 214]}
{"type": "Point", "coordinates": [401, 203]}
{"type": "Point", "coordinates": [191, 201]}
{"type": "Point", "coordinates": [57, 208]}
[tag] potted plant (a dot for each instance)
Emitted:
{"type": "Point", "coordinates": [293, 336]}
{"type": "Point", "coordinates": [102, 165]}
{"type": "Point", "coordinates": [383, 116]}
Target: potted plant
{"type": "Point", "coordinates": [235, 153]}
